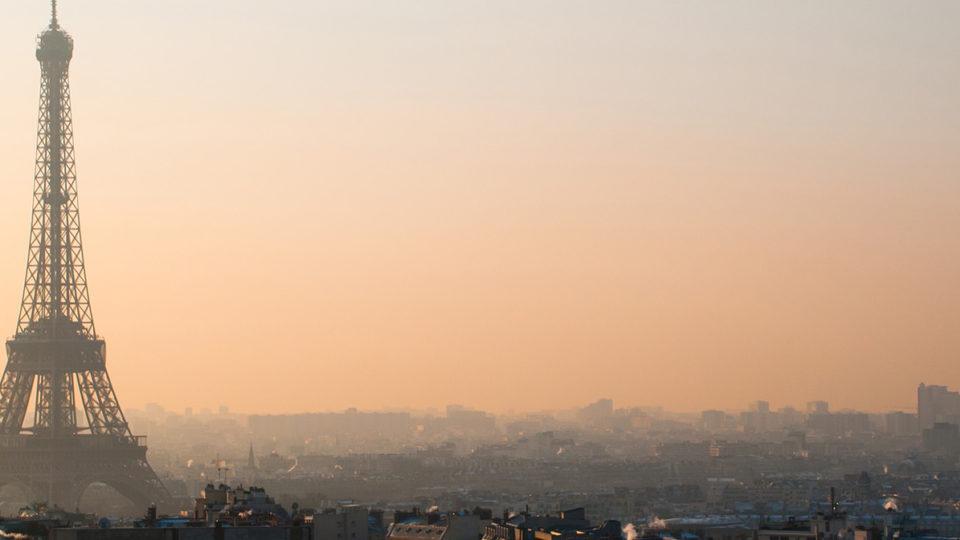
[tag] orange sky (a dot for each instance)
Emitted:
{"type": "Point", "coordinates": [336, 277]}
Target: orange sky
{"type": "Point", "coordinates": [512, 205]}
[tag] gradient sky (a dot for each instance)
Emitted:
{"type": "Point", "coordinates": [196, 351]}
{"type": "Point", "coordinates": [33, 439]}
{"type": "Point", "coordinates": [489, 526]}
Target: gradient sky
{"type": "Point", "coordinates": [305, 205]}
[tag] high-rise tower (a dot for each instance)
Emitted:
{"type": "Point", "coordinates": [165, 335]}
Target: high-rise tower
{"type": "Point", "coordinates": [56, 354]}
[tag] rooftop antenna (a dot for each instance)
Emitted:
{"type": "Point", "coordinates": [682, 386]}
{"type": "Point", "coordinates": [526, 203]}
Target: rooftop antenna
{"type": "Point", "coordinates": [53, 14]}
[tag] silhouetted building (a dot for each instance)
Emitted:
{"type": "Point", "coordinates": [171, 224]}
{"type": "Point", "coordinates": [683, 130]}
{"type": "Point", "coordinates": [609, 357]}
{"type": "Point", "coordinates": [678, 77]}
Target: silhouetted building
{"type": "Point", "coordinates": [443, 527]}
{"type": "Point", "coordinates": [901, 424]}
{"type": "Point", "coordinates": [469, 421]}
{"type": "Point", "coordinates": [942, 437]}
{"type": "Point", "coordinates": [568, 525]}
{"type": "Point", "coordinates": [238, 506]}
{"type": "Point", "coordinates": [839, 424]}
{"type": "Point", "coordinates": [292, 532]}
{"type": "Point", "coordinates": [598, 411]}
{"type": "Point", "coordinates": [937, 404]}
{"type": "Point", "coordinates": [713, 420]}
{"type": "Point", "coordinates": [348, 522]}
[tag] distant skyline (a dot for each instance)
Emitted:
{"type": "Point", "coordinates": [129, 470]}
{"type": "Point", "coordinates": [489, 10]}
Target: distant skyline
{"type": "Point", "coordinates": [440, 409]}
{"type": "Point", "coordinates": [302, 206]}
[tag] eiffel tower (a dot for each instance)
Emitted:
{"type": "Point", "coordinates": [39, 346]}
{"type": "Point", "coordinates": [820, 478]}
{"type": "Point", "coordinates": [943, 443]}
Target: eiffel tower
{"type": "Point", "coordinates": [56, 354]}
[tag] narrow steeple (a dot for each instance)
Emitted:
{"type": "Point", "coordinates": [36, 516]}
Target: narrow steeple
{"type": "Point", "coordinates": [53, 15]}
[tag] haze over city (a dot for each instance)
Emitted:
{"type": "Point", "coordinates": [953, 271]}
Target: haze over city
{"type": "Point", "coordinates": [464, 270]}
{"type": "Point", "coordinates": [409, 204]}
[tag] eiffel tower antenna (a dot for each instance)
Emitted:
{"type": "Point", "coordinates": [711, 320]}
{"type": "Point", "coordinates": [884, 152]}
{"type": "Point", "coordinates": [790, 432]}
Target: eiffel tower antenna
{"type": "Point", "coordinates": [56, 355]}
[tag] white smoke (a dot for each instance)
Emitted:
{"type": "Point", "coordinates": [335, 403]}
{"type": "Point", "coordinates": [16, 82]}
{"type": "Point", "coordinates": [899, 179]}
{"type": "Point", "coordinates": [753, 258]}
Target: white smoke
{"type": "Point", "coordinates": [630, 532]}
{"type": "Point", "coordinates": [657, 523]}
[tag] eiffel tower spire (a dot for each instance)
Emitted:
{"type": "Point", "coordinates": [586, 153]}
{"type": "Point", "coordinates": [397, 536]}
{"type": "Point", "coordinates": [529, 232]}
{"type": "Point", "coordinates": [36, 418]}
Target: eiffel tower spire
{"type": "Point", "coordinates": [56, 354]}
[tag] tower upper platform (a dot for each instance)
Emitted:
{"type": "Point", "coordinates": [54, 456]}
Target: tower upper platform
{"type": "Point", "coordinates": [54, 44]}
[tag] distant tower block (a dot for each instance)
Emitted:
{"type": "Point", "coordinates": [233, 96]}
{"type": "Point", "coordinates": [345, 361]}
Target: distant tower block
{"type": "Point", "coordinates": [56, 354]}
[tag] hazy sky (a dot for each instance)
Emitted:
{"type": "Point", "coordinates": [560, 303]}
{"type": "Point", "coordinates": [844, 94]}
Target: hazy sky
{"type": "Point", "coordinates": [309, 205]}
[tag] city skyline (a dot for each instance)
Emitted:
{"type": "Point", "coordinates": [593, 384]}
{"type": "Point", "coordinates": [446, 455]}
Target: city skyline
{"type": "Point", "coordinates": [638, 202]}
{"type": "Point", "coordinates": [440, 409]}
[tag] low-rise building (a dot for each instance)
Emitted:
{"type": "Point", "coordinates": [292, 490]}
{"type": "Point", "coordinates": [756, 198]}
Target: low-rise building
{"type": "Point", "coordinates": [347, 522]}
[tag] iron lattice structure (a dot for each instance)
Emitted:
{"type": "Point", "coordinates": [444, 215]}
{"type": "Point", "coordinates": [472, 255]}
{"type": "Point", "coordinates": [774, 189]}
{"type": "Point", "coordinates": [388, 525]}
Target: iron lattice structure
{"type": "Point", "coordinates": [56, 353]}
